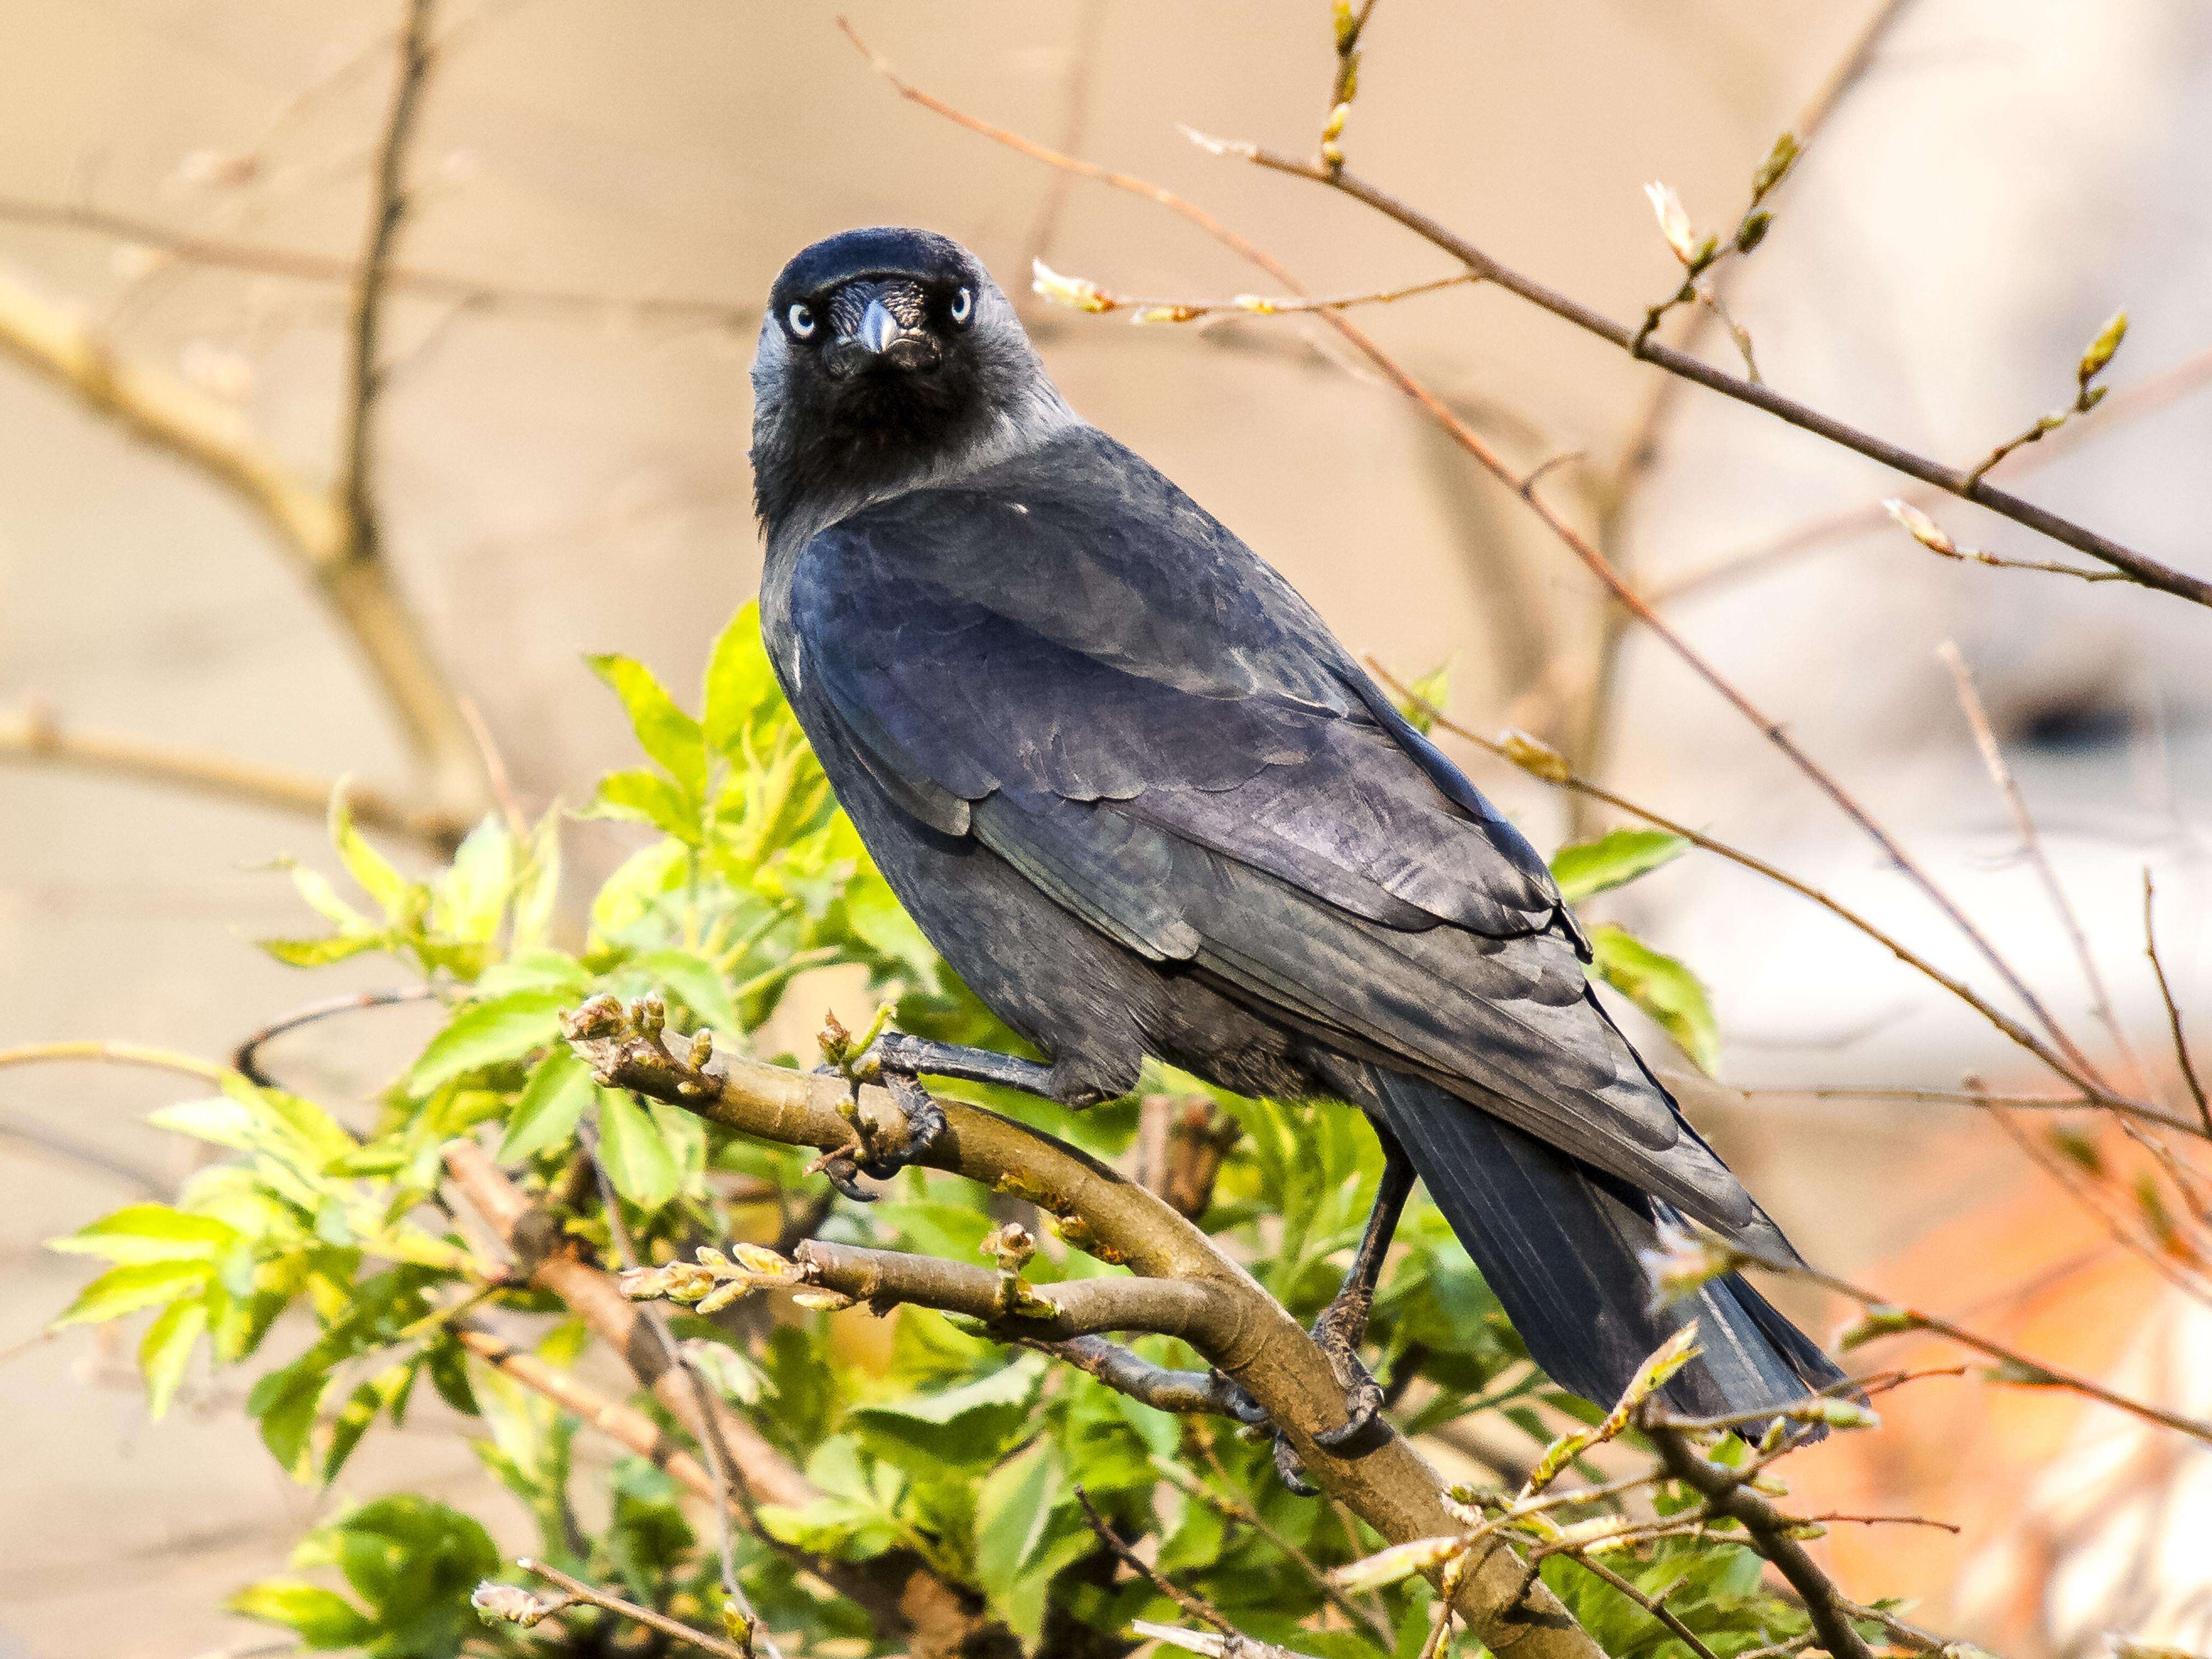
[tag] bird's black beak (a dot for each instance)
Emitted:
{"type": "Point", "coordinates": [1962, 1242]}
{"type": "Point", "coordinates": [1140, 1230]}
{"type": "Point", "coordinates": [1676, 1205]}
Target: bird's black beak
{"type": "Point", "coordinates": [880, 326]}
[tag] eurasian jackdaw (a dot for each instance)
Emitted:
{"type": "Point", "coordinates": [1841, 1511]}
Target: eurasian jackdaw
{"type": "Point", "coordinates": [1144, 802]}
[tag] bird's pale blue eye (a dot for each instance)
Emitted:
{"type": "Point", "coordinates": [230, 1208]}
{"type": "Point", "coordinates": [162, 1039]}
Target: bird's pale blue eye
{"type": "Point", "coordinates": [963, 305]}
{"type": "Point", "coordinates": [801, 319]}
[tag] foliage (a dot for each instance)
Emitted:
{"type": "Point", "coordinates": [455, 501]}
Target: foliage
{"type": "Point", "coordinates": [322, 1248]}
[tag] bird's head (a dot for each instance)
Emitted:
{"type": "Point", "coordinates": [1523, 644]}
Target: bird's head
{"type": "Point", "coordinates": [886, 355]}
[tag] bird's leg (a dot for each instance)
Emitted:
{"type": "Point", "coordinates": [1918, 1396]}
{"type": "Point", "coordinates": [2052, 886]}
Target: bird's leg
{"type": "Point", "coordinates": [1343, 1324]}
{"type": "Point", "coordinates": [900, 1052]}
{"type": "Point", "coordinates": [1341, 1327]}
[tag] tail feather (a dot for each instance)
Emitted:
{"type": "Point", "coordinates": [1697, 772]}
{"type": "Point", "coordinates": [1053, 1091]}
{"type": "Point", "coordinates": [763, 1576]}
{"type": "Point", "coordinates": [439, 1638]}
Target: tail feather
{"type": "Point", "coordinates": [1559, 1243]}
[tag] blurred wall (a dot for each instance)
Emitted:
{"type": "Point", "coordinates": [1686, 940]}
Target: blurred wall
{"type": "Point", "coordinates": [564, 480]}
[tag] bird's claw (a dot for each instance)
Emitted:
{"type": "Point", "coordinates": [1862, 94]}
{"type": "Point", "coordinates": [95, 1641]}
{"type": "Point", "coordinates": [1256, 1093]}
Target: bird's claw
{"type": "Point", "coordinates": [925, 1122]}
{"type": "Point", "coordinates": [1336, 1333]}
{"type": "Point", "coordinates": [1236, 1403]}
{"type": "Point", "coordinates": [869, 1154]}
{"type": "Point", "coordinates": [1290, 1471]}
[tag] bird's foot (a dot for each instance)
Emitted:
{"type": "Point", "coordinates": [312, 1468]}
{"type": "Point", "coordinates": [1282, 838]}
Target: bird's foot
{"type": "Point", "coordinates": [1363, 1404]}
{"type": "Point", "coordinates": [1337, 1333]}
{"type": "Point", "coordinates": [871, 1152]}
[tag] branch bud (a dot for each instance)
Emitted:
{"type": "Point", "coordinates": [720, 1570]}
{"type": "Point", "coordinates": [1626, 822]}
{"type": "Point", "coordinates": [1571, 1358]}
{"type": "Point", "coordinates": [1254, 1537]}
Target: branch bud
{"type": "Point", "coordinates": [1921, 528]}
{"type": "Point", "coordinates": [2101, 349]}
{"type": "Point", "coordinates": [1074, 292]}
{"type": "Point", "coordinates": [1675, 222]}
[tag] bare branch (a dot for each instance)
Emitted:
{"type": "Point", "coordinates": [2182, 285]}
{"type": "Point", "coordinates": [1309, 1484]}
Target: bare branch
{"type": "Point", "coordinates": [1552, 767]}
{"type": "Point", "coordinates": [470, 293]}
{"type": "Point", "coordinates": [2146, 571]}
{"type": "Point", "coordinates": [1992, 752]}
{"type": "Point", "coordinates": [245, 1058]}
{"type": "Point", "coordinates": [211, 437]}
{"type": "Point", "coordinates": [2145, 398]}
{"type": "Point", "coordinates": [1772, 1533]}
{"type": "Point", "coordinates": [575, 1591]}
{"type": "Point", "coordinates": [2188, 1074]}
{"type": "Point", "coordinates": [388, 206]}
{"type": "Point", "coordinates": [116, 1054]}
{"type": "Point", "coordinates": [34, 737]}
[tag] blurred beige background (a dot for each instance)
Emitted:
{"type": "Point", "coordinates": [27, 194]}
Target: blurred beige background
{"type": "Point", "coordinates": [559, 481]}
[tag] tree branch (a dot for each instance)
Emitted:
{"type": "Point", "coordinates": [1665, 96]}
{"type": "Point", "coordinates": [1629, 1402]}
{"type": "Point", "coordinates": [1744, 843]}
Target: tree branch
{"type": "Point", "coordinates": [34, 737]}
{"type": "Point", "coordinates": [295, 264]}
{"type": "Point", "coordinates": [898, 1591]}
{"type": "Point", "coordinates": [1244, 1333]}
{"type": "Point", "coordinates": [2148, 572]}
{"type": "Point", "coordinates": [1553, 769]}
{"type": "Point", "coordinates": [1772, 1533]}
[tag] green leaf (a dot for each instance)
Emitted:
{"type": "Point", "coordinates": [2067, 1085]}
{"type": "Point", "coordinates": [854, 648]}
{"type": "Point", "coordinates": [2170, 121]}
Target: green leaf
{"type": "Point", "coordinates": [134, 1285]}
{"type": "Point", "coordinates": [537, 886]}
{"type": "Point", "coordinates": [697, 982]}
{"type": "Point", "coordinates": [740, 682]}
{"type": "Point", "coordinates": [1012, 1512]}
{"type": "Point", "coordinates": [637, 1154]}
{"type": "Point", "coordinates": [151, 1232]}
{"type": "Point", "coordinates": [323, 898]}
{"type": "Point", "coordinates": [645, 796]}
{"type": "Point", "coordinates": [1663, 988]}
{"type": "Point", "coordinates": [217, 1119]}
{"type": "Point", "coordinates": [320, 1618]}
{"type": "Point", "coordinates": [552, 1102]}
{"type": "Point", "coordinates": [1427, 695]}
{"type": "Point", "coordinates": [381, 1392]}
{"type": "Point", "coordinates": [165, 1351]}
{"type": "Point", "coordinates": [634, 891]}
{"type": "Point", "coordinates": [488, 1032]}
{"type": "Point", "coordinates": [284, 1403]}
{"type": "Point", "coordinates": [319, 953]}
{"type": "Point", "coordinates": [968, 1427]}
{"type": "Point", "coordinates": [470, 897]}
{"type": "Point", "coordinates": [664, 731]}
{"type": "Point", "coordinates": [1620, 856]}
{"type": "Point", "coordinates": [401, 899]}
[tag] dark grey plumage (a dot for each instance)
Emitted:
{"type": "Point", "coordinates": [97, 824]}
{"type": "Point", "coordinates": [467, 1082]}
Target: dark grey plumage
{"type": "Point", "coordinates": [1142, 800]}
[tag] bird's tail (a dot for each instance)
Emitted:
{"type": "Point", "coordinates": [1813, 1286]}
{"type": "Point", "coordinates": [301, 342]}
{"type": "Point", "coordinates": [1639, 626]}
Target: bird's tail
{"type": "Point", "coordinates": [1557, 1242]}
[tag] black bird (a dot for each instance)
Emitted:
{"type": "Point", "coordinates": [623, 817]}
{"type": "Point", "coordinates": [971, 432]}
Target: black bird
{"type": "Point", "coordinates": [1144, 802]}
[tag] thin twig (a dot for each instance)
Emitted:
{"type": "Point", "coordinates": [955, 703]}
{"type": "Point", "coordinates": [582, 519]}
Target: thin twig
{"type": "Point", "coordinates": [1088, 296]}
{"type": "Point", "coordinates": [578, 1590]}
{"type": "Point", "coordinates": [245, 1058]}
{"type": "Point", "coordinates": [2144, 570]}
{"type": "Point", "coordinates": [34, 737]}
{"type": "Point", "coordinates": [1992, 752]}
{"type": "Point", "coordinates": [1558, 774]}
{"type": "Point", "coordinates": [1978, 1098]}
{"type": "Point", "coordinates": [1196, 1606]}
{"type": "Point", "coordinates": [1772, 1533]}
{"type": "Point", "coordinates": [721, 1467]}
{"type": "Point", "coordinates": [2189, 1074]}
{"type": "Point", "coordinates": [1655, 1605]}
{"type": "Point", "coordinates": [2146, 396]}
{"type": "Point", "coordinates": [387, 211]}
{"type": "Point", "coordinates": [1812, 115]}
{"type": "Point", "coordinates": [470, 293]}
{"type": "Point", "coordinates": [116, 1054]}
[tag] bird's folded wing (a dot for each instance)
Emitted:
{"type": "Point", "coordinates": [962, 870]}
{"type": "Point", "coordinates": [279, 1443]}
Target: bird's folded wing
{"type": "Point", "coordinates": [1121, 701]}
